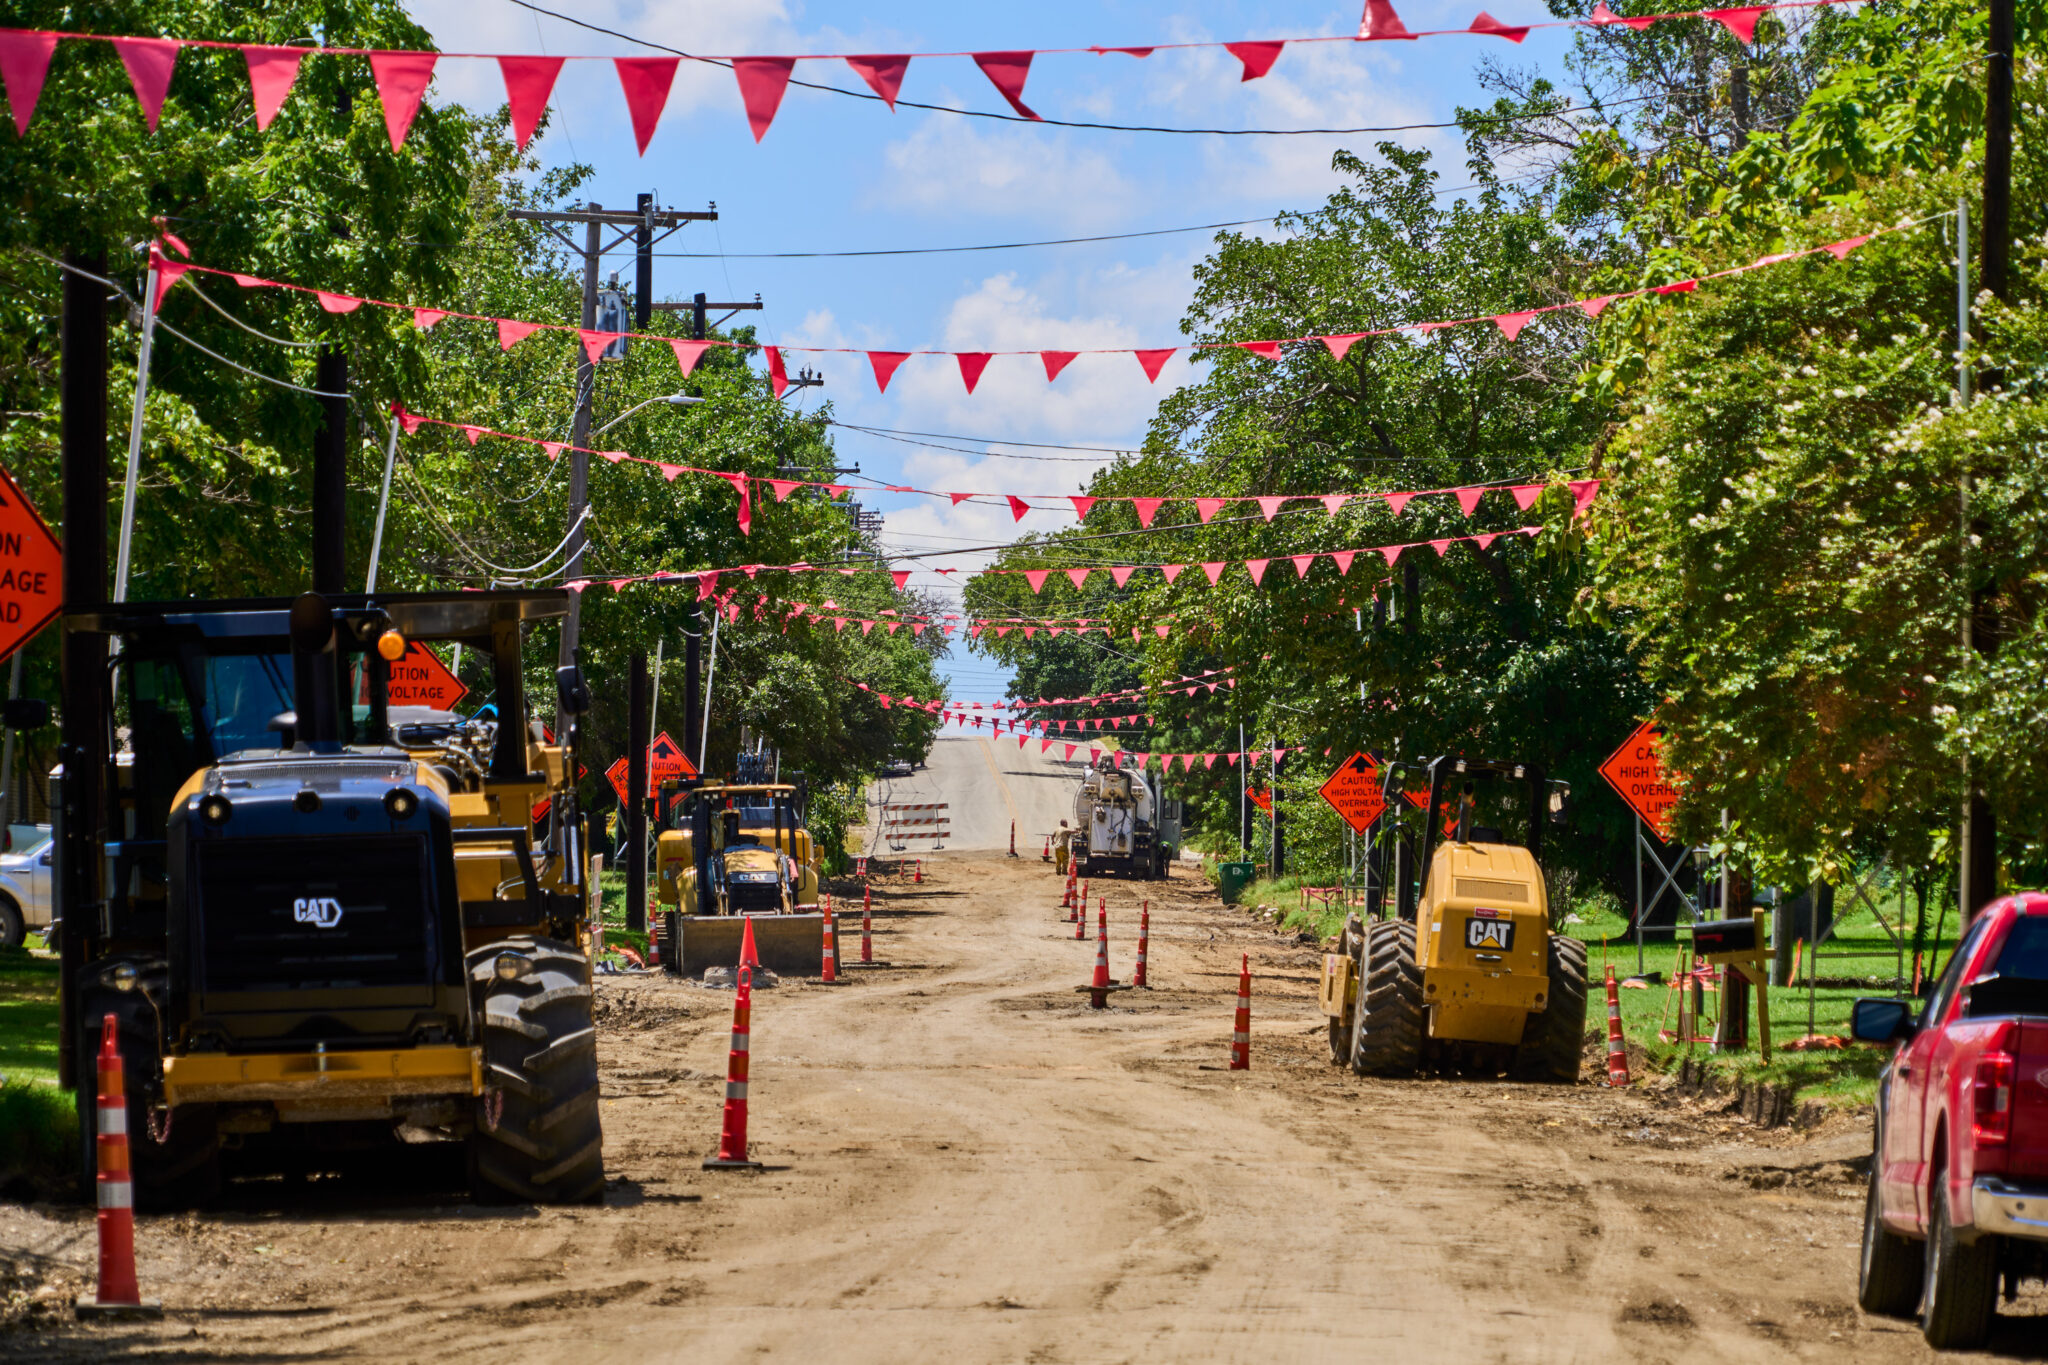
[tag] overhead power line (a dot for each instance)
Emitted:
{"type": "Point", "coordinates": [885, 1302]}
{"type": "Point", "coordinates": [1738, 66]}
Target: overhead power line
{"type": "Point", "coordinates": [1066, 123]}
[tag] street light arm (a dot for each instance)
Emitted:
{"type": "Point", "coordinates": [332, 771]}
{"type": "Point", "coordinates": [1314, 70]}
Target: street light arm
{"type": "Point", "coordinates": [681, 400]}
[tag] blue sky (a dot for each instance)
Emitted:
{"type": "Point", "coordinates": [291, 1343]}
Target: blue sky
{"type": "Point", "coordinates": [841, 174]}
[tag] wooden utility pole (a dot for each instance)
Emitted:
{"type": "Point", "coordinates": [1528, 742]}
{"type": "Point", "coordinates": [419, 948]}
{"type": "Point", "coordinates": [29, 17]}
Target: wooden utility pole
{"type": "Point", "coordinates": [1977, 870]}
{"type": "Point", "coordinates": [637, 228]}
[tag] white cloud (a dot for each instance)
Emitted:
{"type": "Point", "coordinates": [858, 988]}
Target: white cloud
{"type": "Point", "coordinates": [948, 165]}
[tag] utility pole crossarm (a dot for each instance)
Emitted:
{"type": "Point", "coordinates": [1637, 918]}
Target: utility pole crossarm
{"type": "Point", "coordinates": [616, 217]}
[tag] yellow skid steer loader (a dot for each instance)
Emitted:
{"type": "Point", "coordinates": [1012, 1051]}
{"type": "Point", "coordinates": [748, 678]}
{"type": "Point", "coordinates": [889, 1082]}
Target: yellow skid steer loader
{"type": "Point", "coordinates": [731, 853]}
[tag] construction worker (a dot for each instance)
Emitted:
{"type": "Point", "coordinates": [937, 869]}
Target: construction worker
{"type": "Point", "coordinates": [1059, 848]}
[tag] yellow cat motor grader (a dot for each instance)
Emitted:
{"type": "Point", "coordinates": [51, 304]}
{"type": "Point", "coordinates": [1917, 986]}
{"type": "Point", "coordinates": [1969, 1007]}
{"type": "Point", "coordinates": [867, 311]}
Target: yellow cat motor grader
{"type": "Point", "coordinates": [1478, 981]}
{"type": "Point", "coordinates": [732, 853]}
{"type": "Point", "coordinates": [319, 931]}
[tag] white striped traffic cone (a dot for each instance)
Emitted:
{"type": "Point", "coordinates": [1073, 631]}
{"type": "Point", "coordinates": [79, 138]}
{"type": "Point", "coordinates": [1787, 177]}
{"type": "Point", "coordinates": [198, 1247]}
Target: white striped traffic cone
{"type": "Point", "coordinates": [732, 1131]}
{"type": "Point", "coordinates": [1144, 934]}
{"type": "Point", "coordinates": [1241, 1032]}
{"type": "Point", "coordinates": [1617, 1046]}
{"type": "Point", "coordinates": [118, 1290]}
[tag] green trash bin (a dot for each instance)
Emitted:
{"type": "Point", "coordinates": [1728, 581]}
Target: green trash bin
{"type": "Point", "coordinates": [1233, 878]}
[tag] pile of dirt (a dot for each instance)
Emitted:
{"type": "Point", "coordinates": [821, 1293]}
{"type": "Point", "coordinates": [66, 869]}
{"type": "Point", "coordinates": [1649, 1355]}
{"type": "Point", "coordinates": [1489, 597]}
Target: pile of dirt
{"type": "Point", "coordinates": [636, 1010]}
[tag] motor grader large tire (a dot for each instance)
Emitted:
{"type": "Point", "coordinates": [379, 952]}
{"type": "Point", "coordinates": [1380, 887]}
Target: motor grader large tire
{"type": "Point", "coordinates": [1386, 1039]}
{"type": "Point", "coordinates": [537, 1136]}
{"type": "Point", "coordinates": [1553, 1040]}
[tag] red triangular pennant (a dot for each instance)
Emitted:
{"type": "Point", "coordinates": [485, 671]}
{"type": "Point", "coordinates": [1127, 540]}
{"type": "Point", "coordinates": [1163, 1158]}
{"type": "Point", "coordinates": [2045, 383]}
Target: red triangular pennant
{"type": "Point", "coordinates": [528, 83]}
{"type": "Point", "coordinates": [972, 363]}
{"type": "Point", "coordinates": [1511, 324]}
{"type": "Point", "coordinates": [1147, 508]}
{"type": "Point", "coordinates": [1398, 502]}
{"type": "Point", "coordinates": [1055, 361]}
{"type": "Point", "coordinates": [1154, 361]}
{"type": "Point", "coordinates": [1593, 308]}
{"type": "Point", "coordinates": [1036, 578]}
{"type": "Point", "coordinates": [1334, 502]}
{"type": "Point", "coordinates": [1526, 494]}
{"type": "Point", "coordinates": [271, 73]}
{"type": "Point", "coordinates": [1603, 15]}
{"type": "Point", "coordinates": [1078, 577]}
{"type": "Point", "coordinates": [1841, 249]}
{"type": "Point", "coordinates": [337, 303]}
{"type": "Point", "coordinates": [778, 377]}
{"type": "Point", "coordinates": [1122, 573]}
{"type": "Point", "coordinates": [401, 83]}
{"type": "Point", "coordinates": [884, 364]}
{"type": "Point", "coordinates": [1172, 571]}
{"type": "Point", "coordinates": [1208, 507]}
{"type": "Point", "coordinates": [1018, 507]}
{"type": "Point", "coordinates": [1007, 72]}
{"type": "Point", "coordinates": [645, 82]}
{"type": "Point", "coordinates": [1486, 23]}
{"type": "Point", "coordinates": [1343, 560]}
{"type": "Point", "coordinates": [901, 576]}
{"type": "Point", "coordinates": [1270, 506]}
{"type": "Point", "coordinates": [24, 64]}
{"type": "Point", "coordinates": [1583, 493]}
{"type": "Point", "coordinates": [1741, 21]}
{"type": "Point", "coordinates": [688, 353]}
{"type": "Point", "coordinates": [1302, 564]}
{"type": "Point", "coordinates": [1270, 350]}
{"type": "Point", "coordinates": [1468, 498]}
{"type": "Point", "coordinates": [595, 342]}
{"type": "Point", "coordinates": [425, 318]}
{"type": "Point", "coordinates": [1257, 569]}
{"type": "Point", "coordinates": [150, 62]}
{"type": "Point", "coordinates": [884, 75]}
{"type": "Point", "coordinates": [511, 333]}
{"type": "Point", "coordinates": [1258, 58]}
{"type": "Point", "coordinates": [1380, 21]}
{"type": "Point", "coordinates": [1215, 570]}
{"type": "Point", "coordinates": [762, 81]}
{"type": "Point", "coordinates": [1081, 506]}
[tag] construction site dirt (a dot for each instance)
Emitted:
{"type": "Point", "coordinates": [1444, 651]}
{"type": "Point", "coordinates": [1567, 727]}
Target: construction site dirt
{"type": "Point", "coordinates": [964, 1161]}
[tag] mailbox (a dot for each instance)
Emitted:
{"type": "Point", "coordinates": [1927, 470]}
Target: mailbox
{"type": "Point", "coordinates": [1726, 939]}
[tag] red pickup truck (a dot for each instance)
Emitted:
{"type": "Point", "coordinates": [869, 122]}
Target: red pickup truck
{"type": "Point", "coordinates": [1958, 1197]}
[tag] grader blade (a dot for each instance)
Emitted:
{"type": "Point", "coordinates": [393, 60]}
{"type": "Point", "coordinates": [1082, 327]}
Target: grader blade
{"type": "Point", "coordinates": [789, 945]}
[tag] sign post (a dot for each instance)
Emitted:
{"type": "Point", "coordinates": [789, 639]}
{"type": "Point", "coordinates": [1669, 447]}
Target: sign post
{"type": "Point", "coordinates": [1636, 772]}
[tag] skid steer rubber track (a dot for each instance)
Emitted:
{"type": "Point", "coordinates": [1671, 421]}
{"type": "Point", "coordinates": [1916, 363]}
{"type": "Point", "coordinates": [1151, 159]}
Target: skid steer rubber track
{"type": "Point", "coordinates": [537, 1135]}
{"type": "Point", "coordinates": [1553, 1040]}
{"type": "Point", "coordinates": [1387, 1039]}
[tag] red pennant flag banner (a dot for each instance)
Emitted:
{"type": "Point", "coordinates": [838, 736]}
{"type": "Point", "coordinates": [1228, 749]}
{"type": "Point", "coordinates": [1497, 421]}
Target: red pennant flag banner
{"type": "Point", "coordinates": [528, 83]}
{"type": "Point", "coordinates": [149, 62]}
{"type": "Point", "coordinates": [884, 75]}
{"type": "Point", "coordinates": [645, 82]}
{"type": "Point", "coordinates": [24, 64]}
{"type": "Point", "coordinates": [762, 83]}
{"type": "Point", "coordinates": [271, 73]}
{"type": "Point", "coordinates": [401, 83]}
{"type": "Point", "coordinates": [1258, 58]}
{"type": "Point", "coordinates": [885, 363]}
{"type": "Point", "coordinates": [1007, 71]}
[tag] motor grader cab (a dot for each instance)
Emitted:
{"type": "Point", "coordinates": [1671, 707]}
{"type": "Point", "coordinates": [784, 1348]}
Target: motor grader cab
{"type": "Point", "coordinates": [318, 930]}
{"type": "Point", "coordinates": [1477, 981]}
{"type": "Point", "coordinates": [729, 853]}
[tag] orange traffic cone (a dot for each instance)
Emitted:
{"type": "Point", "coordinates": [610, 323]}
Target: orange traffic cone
{"type": "Point", "coordinates": [1617, 1046]}
{"type": "Point", "coordinates": [1046, 856]}
{"type": "Point", "coordinates": [918, 879]}
{"type": "Point", "coordinates": [867, 937]}
{"type": "Point", "coordinates": [1144, 934]}
{"type": "Point", "coordinates": [118, 1291]}
{"type": "Point", "coordinates": [1081, 923]}
{"type": "Point", "coordinates": [1241, 1032]}
{"type": "Point", "coordinates": [831, 953]}
{"type": "Point", "coordinates": [732, 1132]}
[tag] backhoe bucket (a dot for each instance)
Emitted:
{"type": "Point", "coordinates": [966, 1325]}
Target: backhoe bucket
{"type": "Point", "coordinates": [789, 945]}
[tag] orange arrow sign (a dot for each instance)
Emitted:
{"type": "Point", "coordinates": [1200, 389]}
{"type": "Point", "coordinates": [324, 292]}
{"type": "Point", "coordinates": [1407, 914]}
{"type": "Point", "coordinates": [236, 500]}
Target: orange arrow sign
{"type": "Point", "coordinates": [1636, 772]}
{"type": "Point", "coordinates": [665, 760]}
{"type": "Point", "coordinates": [31, 569]}
{"type": "Point", "coordinates": [1353, 791]}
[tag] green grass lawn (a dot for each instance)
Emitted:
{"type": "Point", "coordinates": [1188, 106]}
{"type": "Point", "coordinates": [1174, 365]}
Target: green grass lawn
{"type": "Point", "coordinates": [1860, 959]}
{"type": "Point", "coordinates": [28, 1016]}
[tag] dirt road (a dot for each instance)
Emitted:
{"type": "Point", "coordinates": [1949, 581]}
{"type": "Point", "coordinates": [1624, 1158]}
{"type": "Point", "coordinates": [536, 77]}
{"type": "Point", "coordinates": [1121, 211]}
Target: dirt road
{"type": "Point", "coordinates": [966, 1164]}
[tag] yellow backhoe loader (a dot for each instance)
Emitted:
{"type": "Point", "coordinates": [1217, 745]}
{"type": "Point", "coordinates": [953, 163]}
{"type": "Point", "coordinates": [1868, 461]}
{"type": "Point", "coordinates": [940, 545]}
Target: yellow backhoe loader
{"type": "Point", "coordinates": [1478, 981]}
{"type": "Point", "coordinates": [728, 853]}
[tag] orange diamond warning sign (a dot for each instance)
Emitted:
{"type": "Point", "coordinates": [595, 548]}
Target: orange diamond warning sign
{"type": "Point", "coordinates": [419, 678]}
{"type": "Point", "coordinates": [1636, 771]}
{"type": "Point", "coordinates": [31, 569]}
{"type": "Point", "coordinates": [1353, 791]}
{"type": "Point", "coordinates": [665, 760]}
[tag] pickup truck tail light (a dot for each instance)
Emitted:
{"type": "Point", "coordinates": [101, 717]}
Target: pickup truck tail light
{"type": "Point", "coordinates": [1992, 1121]}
